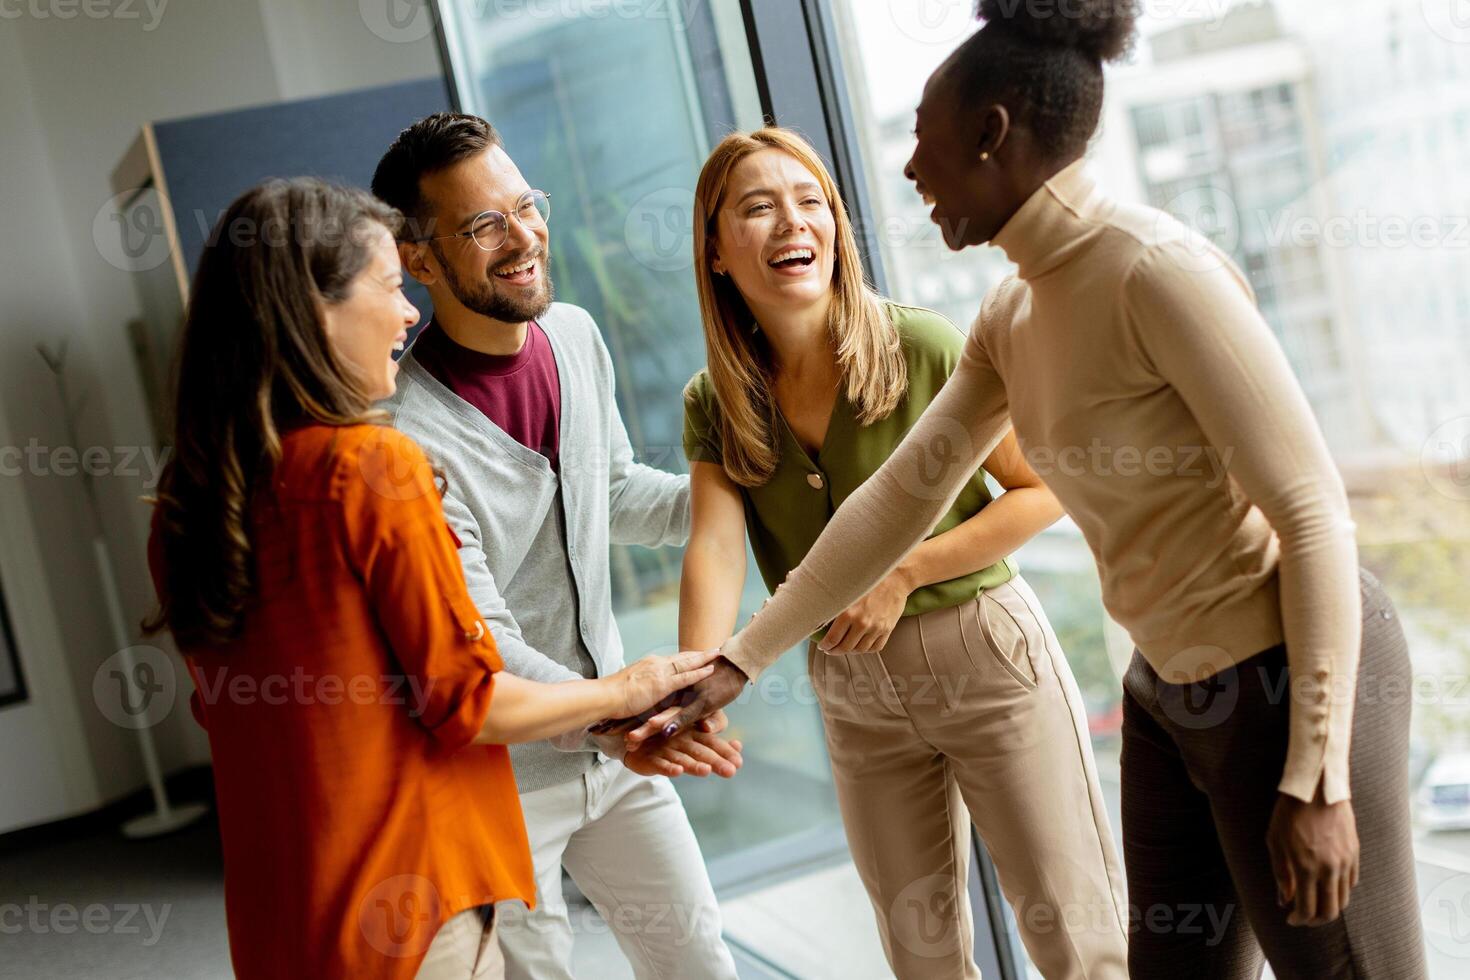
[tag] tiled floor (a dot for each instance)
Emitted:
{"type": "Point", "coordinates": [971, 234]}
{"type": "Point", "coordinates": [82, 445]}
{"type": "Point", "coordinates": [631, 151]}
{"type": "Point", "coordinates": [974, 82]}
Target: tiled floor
{"type": "Point", "coordinates": [111, 909]}
{"type": "Point", "coordinates": [814, 926]}
{"type": "Point", "coordinates": [159, 910]}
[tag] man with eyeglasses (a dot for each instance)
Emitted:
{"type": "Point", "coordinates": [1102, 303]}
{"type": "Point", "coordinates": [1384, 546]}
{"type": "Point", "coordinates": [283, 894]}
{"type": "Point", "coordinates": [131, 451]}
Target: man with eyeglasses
{"type": "Point", "coordinates": [511, 395]}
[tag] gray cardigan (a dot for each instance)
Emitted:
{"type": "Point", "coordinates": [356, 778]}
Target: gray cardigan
{"type": "Point", "coordinates": [535, 546]}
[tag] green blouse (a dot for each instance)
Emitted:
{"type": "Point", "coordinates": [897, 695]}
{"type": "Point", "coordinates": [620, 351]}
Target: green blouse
{"type": "Point", "coordinates": [785, 515]}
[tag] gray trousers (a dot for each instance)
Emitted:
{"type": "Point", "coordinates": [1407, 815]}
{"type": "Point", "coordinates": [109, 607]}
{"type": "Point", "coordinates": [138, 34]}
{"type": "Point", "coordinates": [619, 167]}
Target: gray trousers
{"type": "Point", "coordinates": [1200, 766]}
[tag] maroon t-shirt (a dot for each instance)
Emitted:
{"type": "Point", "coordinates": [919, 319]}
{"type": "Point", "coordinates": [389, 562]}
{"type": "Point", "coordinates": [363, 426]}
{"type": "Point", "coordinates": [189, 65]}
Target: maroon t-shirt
{"type": "Point", "coordinates": [521, 392]}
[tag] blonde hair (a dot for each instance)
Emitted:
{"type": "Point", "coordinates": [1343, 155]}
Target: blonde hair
{"type": "Point", "coordinates": [867, 345]}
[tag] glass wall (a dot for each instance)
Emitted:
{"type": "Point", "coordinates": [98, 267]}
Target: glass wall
{"type": "Point", "coordinates": [612, 109]}
{"type": "Point", "coordinates": [1327, 155]}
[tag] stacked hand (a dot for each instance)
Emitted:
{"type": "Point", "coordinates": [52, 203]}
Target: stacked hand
{"type": "Point", "coordinates": [654, 681]}
{"type": "Point", "coordinates": [713, 682]}
{"type": "Point", "coordinates": [698, 752]}
{"type": "Point", "coordinates": [686, 716]}
{"type": "Point", "coordinates": [865, 626]}
{"type": "Point", "coordinates": [679, 711]}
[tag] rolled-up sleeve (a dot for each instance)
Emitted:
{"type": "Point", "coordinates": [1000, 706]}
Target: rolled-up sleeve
{"type": "Point", "coordinates": [400, 544]}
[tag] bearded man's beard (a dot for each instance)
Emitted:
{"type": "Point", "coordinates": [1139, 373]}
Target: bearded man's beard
{"type": "Point", "coordinates": [488, 297]}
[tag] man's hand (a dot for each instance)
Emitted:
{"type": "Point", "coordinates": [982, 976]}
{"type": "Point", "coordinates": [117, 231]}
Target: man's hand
{"type": "Point", "coordinates": [690, 753]}
{"type": "Point", "coordinates": [681, 710]}
{"type": "Point", "coordinates": [866, 625]}
{"type": "Point", "coordinates": [1314, 856]}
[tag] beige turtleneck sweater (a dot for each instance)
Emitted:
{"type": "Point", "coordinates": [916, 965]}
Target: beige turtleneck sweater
{"type": "Point", "coordinates": [1153, 399]}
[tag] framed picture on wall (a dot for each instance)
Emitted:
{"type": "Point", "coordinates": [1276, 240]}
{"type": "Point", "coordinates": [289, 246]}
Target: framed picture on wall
{"type": "Point", "coordinates": [12, 682]}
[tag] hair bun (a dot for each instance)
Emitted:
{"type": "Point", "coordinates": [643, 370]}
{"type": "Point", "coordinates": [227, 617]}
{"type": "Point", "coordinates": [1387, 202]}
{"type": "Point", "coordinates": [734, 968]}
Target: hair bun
{"type": "Point", "coordinates": [1101, 29]}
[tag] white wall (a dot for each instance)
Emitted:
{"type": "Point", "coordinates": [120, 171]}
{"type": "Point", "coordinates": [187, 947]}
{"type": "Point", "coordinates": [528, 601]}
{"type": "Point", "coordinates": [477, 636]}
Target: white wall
{"type": "Point", "coordinates": [44, 762]}
{"type": "Point", "coordinates": [75, 92]}
{"type": "Point", "coordinates": [320, 47]}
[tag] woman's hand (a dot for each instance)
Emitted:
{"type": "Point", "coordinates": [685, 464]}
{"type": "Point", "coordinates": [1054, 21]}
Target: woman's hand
{"type": "Point", "coordinates": [866, 624]}
{"type": "Point", "coordinates": [1314, 855]}
{"type": "Point", "coordinates": [699, 704]}
{"type": "Point", "coordinates": [692, 753]}
{"type": "Point", "coordinates": [649, 681]}
{"type": "Point", "coordinates": [714, 723]}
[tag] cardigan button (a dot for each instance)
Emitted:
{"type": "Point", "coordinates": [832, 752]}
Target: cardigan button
{"type": "Point", "coordinates": [815, 480]}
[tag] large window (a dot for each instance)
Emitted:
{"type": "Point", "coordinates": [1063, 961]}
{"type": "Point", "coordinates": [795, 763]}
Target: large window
{"type": "Point", "coordinates": [1327, 155]}
{"type": "Point", "coordinates": [612, 108]}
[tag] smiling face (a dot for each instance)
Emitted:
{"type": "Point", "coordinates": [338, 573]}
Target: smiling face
{"type": "Point", "coordinates": [947, 170]}
{"type": "Point", "coordinates": [510, 284]}
{"type": "Point", "coordinates": [775, 234]}
{"type": "Point", "coordinates": [373, 319]}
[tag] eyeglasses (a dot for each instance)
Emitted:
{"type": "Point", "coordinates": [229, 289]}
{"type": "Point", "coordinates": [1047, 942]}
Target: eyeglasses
{"type": "Point", "coordinates": [490, 228]}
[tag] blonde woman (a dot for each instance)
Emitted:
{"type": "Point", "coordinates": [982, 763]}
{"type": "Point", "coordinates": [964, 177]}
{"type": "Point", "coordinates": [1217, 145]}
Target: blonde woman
{"type": "Point", "coordinates": [944, 692]}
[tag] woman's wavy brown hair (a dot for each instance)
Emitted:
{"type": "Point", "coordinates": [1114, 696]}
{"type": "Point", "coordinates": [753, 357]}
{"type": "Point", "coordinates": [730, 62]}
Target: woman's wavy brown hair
{"type": "Point", "coordinates": [254, 360]}
{"type": "Point", "coordinates": [869, 350]}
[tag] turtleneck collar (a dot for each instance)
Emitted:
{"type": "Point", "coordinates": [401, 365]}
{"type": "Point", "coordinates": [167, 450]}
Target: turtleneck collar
{"type": "Point", "coordinates": [1054, 223]}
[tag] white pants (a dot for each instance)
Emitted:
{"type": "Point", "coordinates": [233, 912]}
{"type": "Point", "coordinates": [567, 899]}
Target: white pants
{"type": "Point", "coordinates": [627, 843]}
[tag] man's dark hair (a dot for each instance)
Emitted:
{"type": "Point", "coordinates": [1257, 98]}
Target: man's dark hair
{"type": "Point", "coordinates": [1043, 60]}
{"type": "Point", "coordinates": [429, 145]}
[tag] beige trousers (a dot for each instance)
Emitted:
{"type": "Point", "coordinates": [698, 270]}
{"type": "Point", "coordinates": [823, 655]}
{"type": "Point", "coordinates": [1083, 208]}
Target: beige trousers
{"type": "Point", "coordinates": [971, 714]}
{"type": "Point", "coordinates": [464, 948]}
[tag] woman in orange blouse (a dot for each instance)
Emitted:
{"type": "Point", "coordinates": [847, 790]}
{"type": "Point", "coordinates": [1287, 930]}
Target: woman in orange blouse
{"type": "Point", "coordinates": [354, 701]}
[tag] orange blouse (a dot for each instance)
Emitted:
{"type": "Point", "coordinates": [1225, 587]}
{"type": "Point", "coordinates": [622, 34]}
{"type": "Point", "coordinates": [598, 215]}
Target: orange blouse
{"type": "Point", "coordinates": [355, 813]}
